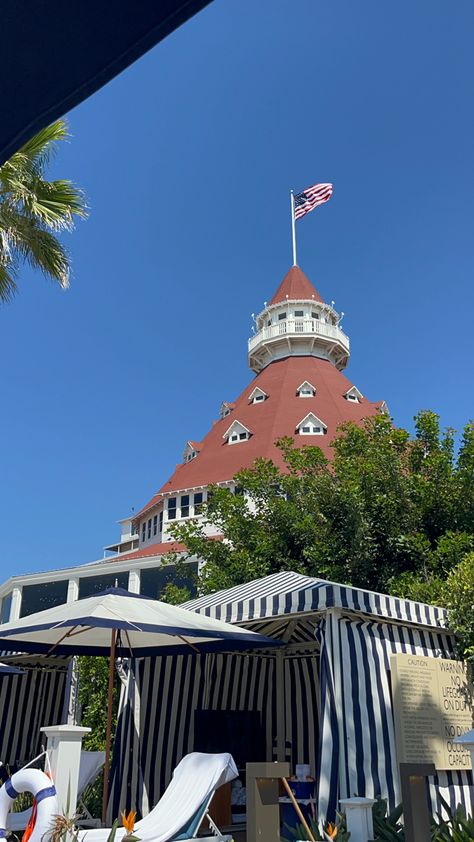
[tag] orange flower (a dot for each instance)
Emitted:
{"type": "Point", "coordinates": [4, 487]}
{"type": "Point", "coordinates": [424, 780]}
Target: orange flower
{"type": "Point", "coordinates": [332, 830]}
{"type": "Point", "coordinates": [128, 821]}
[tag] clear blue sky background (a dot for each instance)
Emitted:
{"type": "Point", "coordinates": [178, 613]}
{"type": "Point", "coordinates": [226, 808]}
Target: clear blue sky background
{"type": "Point", "coordinates": [187, 159]}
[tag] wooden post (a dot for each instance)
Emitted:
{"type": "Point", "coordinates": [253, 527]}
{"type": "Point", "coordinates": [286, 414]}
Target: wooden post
{"type": "Point", "coordinates": [298, 809]}
{"type": "Point", "coordinates": [416, 815]}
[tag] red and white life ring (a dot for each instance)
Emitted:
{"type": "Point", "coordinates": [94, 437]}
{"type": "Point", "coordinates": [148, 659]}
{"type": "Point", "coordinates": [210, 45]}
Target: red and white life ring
{"type": "Point", "coordinates": [44, 791]}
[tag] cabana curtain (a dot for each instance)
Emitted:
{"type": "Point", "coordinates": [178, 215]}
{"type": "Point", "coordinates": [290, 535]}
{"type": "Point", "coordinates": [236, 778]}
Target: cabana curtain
{"type": "Point", "coordinates": [337, 713]}
{"type": "Point", "coordinates": [28, 702]}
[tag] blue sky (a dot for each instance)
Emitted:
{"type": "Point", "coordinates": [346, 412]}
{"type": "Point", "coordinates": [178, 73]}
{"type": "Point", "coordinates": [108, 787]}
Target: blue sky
{"type": "Point", "coordinates": [187, 159]}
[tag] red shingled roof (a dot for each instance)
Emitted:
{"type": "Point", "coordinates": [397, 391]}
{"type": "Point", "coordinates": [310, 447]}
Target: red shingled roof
{"type": "Point", "coordinates": [296, 287]}
{"type": "Point", "coordinates": [271, 419]}
{"type": "Point", "coordinates": [151, 550]}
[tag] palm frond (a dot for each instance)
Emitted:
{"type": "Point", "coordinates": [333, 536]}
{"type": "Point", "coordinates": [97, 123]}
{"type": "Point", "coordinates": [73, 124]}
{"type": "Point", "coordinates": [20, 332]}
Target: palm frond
{"type": "Point", "coordinates": [55, 203]}
{"type": "Point", "coordinates": [39, 149]}
{"type": "Point", "coordinates": [38, 247]}
{"type": "Point", "coordinates": [8, 286]}
{"type": "Point", "coordinates": [33, 209]}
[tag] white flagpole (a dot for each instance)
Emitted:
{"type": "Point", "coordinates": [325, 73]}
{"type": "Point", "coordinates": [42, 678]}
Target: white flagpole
{"type": "Point", "coordinates": [293, 227]}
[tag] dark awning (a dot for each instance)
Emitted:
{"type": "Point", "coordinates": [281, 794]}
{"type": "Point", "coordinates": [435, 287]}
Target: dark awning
{"type": "Point", "coordinates": [56, 53]}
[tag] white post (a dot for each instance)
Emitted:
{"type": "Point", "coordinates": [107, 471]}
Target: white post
{"type": "Point", "coordinates": [64, 749]}
{"type": "Point", "coordinates": [293, 225]}
{"type": "Point", "coordinates": [134, 581]}
{"type": "Point", "coordinates": [16, 605]}
{"type": "Point", "coordinates": [359, 818]}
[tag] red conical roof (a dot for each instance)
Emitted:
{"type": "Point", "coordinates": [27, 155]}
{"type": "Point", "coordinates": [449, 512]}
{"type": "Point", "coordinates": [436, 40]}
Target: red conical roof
{"type": "Point", "coordinates": [295, 286]}
{"type": "Point", "coordinates": [278, 415]}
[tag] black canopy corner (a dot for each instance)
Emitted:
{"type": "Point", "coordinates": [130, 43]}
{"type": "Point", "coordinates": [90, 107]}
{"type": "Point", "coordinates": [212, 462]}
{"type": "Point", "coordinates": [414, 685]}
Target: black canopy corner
{"type": "Point", "coordinates": [55, 54]}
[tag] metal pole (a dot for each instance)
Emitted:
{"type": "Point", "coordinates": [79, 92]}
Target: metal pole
{"type": "Point", "coordinates": [293, 226]}
{"type": "Point", "coordinates": [108, 733]}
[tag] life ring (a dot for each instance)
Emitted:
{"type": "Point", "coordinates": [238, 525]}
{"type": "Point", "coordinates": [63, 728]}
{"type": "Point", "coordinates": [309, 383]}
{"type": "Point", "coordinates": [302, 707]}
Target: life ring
{"type": "Point", "coordinates": [38, 783]}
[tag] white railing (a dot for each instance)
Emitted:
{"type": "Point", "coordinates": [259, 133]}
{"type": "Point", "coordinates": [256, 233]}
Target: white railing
{"type": "Point", "coordinates": [304, 327]}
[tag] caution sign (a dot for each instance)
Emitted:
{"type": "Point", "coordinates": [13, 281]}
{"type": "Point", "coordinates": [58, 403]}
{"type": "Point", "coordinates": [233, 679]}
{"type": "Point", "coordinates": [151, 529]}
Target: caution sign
{"type": "Point", "coordinates": [432, 704]}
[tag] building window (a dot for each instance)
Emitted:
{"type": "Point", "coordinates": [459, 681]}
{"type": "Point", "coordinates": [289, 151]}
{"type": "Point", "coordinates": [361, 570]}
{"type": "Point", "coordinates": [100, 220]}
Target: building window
{"type": "Point", "coordinates": [306, 390]}
{"type": "Point", "coordinates": [92, 585]}
{"type": "Point", "coordinates": [311, 430]}
{"type": "Point", "coordinates": [6, 608]}
{"type": "Point", "coordinates": [299, 314]}
{"type": "Point", "coordinates": [281, 316]}
{"type": "Point", "coordinates": [198, 499]}
{"type": "Point", "coordinates": [185, 505]}
{"type": "Point", "coordinates": [161, 522]}
{"type": "Point", "coordinates": [153, 580]}
{"type": "Point", "coordinates": [171, 508]}
{"type": "Point", "coordinates": [234, 437]}
{"type": "Point", "coordinates": [149, 529]}
{"type": "Point", "coordinates": [43, 595]}
{"type": "Point", "coordinates": [243, 436]}
{"type": "Point", "coordinates": [155, 524]}
{"type": "Point", "coordinates": [314, 315]}
{"type": "Point", "coordinates": [144, 530]}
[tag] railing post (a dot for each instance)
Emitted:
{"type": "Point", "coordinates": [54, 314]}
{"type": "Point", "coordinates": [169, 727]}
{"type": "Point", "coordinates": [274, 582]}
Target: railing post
{"type": "Point", "coordinates": [64, 743]}
{"type": "Point", "coordinates": [359, 818]}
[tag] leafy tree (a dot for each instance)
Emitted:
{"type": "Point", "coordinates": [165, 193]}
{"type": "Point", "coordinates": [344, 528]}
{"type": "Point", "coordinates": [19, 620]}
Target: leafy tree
{"type": "Point", "coordinates": [34, 210]}
{"type": "Point", "coordinates": [391, 512]}
{"type": "Point", "coordinates": [459, 598]}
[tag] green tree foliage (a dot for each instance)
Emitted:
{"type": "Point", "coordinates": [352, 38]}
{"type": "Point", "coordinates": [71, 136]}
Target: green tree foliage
{"type": "Point", "coordinates": [459, 598]}
{"type": "Point", "coordinates": [92, 697]}
{"type": "Point", "coordinates": [34, 210]}
{"type": "Point", "coordinates": [391, 512]}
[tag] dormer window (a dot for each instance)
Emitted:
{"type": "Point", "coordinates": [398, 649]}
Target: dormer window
{"type": "Point", "coordinates": [191, 450]}
{"type": "Point", "coordinates": [353, 395]}
{"type": "Point", "coordinates": [257, 396]}
{"type": "Point", "coordinates": [311, 425]}
{"type": "Point", "coordinates": [236, 433]}
{"type": "Point", "coordinates": [226, 409]}
{"type": "Point", "coordinates": [306, 390]}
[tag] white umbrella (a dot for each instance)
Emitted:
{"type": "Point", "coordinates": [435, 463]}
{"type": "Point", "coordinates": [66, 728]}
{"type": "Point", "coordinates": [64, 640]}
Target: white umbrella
{"type": "Point", "coordinates": [133, 624]}
{"type": "Point", "coordinates": [6, 669]}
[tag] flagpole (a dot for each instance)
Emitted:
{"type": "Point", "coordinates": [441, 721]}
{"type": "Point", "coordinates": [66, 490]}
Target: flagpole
{"type": "Point", "coordinates": [293, 226]}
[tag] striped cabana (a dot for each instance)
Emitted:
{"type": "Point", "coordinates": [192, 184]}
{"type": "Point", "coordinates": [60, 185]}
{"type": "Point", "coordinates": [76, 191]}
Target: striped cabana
{"type": "Point", "coordinates": [324, 697]}
{"type": "Point", "coordinates": [29, 701]}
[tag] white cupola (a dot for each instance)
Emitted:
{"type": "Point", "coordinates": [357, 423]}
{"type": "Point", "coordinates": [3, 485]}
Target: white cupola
{"type": "Point", "coordinates": [297, 322]}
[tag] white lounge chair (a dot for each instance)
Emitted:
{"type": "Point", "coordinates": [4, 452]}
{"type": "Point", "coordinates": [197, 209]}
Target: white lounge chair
{"type": "Point", "coordinates": [89, 767]}
{"type": "Point", "coordinates": [184, 805]}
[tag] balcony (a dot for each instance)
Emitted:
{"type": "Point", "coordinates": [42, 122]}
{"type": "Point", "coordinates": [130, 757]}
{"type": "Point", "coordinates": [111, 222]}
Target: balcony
{"type": "Point", "coordinates": [300, 328]}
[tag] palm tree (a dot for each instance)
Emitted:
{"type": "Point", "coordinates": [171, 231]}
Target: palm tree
{"type": "Point", "coordinates": [33, 211]}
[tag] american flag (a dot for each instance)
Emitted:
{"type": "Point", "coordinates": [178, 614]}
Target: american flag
{"type": "Point", "coordinates": [311, 198]}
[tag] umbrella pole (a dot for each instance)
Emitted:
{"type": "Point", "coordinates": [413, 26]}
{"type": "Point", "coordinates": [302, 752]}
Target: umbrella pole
{"type": "Point", "coordinates": [105, 791]}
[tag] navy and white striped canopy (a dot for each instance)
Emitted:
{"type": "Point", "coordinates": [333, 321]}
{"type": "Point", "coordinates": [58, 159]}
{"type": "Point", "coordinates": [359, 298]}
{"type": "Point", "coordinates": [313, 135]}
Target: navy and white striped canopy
{"type": "Point", "coordinates": [291, 593]}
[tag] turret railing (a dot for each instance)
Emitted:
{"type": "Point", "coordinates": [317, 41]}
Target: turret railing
{"type": "Point", "coordinates": [300, 327]}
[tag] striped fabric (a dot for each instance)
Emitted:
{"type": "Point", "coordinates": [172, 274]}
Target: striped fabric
{"type": "Point", "coordinates": [289, 593]}
{"type": "Point", "coordinates": [27, 702]}
{"type": "Point", "coordinates": [327, 702]}
{"type": "Point", "coordinates": [160, 701]}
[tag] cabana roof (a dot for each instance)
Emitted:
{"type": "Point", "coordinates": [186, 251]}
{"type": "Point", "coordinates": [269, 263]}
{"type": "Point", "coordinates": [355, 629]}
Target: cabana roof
{"type": "Point", "coordinates": [291, 593]}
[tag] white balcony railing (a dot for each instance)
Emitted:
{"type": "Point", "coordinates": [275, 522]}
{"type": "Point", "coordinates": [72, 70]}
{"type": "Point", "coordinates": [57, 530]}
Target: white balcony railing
{"type": "Point", "coordinates": [301, 327]}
